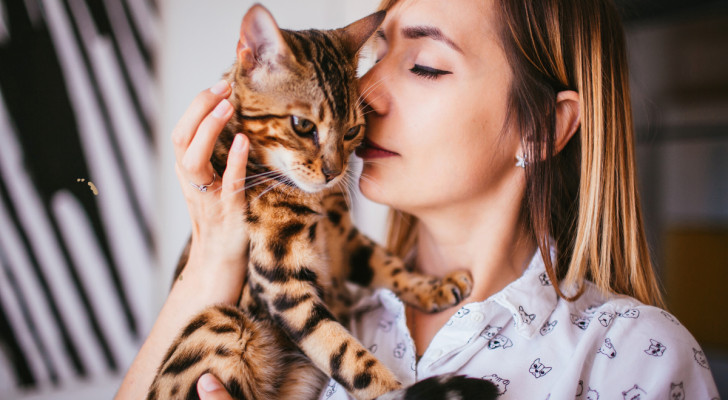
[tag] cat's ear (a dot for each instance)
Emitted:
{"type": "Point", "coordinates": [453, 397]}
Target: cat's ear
{"type": "Point", "coordinates": [354, 35]}
{"type": "Point", "coordinates": [261, 41]}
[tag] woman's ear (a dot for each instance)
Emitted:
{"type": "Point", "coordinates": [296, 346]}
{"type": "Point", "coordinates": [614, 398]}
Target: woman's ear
{"type": "Point", "coordinates": [568, 118]}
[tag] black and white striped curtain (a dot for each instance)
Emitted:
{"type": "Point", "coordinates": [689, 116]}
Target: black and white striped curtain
{"type": "Point", "coordinates": [77, 107]}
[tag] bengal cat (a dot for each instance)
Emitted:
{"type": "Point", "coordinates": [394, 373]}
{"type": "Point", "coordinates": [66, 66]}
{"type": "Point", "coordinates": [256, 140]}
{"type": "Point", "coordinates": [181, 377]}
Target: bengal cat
{"type": "Point", "coordinates": [296, 98]}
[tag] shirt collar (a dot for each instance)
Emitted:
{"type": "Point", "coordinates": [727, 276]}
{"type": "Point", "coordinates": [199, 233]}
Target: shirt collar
{"type": "Point", "coordinates": [531, 299]}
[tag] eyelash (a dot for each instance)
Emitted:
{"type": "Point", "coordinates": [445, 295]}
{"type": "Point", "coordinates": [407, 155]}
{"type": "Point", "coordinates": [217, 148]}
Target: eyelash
{"type": "Point", "coordinates": [427, 72]}
{"type": "Point", "coordinates": [419, 70]}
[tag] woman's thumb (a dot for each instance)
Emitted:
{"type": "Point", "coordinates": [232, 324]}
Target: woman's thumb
{"type": "Point", "coordinates": [209, 388]}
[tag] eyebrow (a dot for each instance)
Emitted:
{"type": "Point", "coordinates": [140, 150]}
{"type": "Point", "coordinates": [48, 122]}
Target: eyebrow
{"type": "Point", "coordinates": [432, 32]}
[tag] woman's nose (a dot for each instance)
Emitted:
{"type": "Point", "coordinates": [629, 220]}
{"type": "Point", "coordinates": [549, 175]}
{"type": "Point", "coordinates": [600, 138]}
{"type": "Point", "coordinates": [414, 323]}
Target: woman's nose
{"type": "Point", "coordinates": [373, 90]}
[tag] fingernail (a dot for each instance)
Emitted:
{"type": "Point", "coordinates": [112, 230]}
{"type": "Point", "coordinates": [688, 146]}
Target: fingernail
{"type": "Point", "coordinates": [221, 109]}
{"type": "Point", "coordinates": [208, 383]}
{"type": "Point", "coordinates": [219, 87]}
{"type": "Point", "coordinates": [238, 143]}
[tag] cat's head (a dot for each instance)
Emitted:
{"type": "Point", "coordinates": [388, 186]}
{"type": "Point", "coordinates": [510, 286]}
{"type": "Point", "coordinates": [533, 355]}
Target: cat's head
{"type": "Point", "coordinates": [296, 93]}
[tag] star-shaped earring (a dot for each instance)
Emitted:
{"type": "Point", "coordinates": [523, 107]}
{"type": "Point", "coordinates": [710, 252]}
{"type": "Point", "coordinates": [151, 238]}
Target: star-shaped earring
{"type": "Point", "coordinates": [521, 161]}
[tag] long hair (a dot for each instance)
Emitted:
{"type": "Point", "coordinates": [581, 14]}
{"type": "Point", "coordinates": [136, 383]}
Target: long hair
{"type": "Point", "coordinates": [584, 197]}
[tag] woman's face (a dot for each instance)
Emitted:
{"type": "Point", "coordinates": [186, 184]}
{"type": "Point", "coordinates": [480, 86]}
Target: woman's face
{"type": "Point", "coordinates": [438, 96]}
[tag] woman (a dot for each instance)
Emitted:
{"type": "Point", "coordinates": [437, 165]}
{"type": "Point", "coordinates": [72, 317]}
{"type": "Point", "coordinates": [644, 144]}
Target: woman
{"type": "Point", "coordinates": [500, 131]}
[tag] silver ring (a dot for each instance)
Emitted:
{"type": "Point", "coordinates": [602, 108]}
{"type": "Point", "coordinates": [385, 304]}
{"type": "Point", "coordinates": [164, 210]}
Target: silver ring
{"type": "Point", "coordinates": [203, 188]}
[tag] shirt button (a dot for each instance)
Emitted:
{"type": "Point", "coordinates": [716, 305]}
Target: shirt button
{"type": "Point", "coordinates": [477, 316]}
{"type": "Point", "coordinates": [437, 353]}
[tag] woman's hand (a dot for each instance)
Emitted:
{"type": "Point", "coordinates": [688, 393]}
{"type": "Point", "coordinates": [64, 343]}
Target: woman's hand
{"type": "Point", "coordinates": [209, 388]}
{"type": "Point", "coordinates": [215, 269]}
{"type": "Point", "coordinates": [216, 204]}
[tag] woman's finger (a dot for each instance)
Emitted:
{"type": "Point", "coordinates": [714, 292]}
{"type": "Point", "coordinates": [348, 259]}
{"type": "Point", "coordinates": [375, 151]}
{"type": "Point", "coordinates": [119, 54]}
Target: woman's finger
{"type": "Point", "coordinates": [196, 160]}
{"type": "Point", "coordinates": [200, 107]}
{"type": "Point", "coordinates": [233, 180]}
{"type": "Point", "coordinates": [209, 388]}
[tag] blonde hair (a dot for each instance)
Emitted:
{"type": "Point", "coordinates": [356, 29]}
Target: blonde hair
{"type": "Point", "coordinates": [585, 196]}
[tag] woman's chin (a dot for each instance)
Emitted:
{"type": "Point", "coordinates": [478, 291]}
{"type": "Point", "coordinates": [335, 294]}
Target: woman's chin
{"type": "Point", "coordinates": [373, 190]}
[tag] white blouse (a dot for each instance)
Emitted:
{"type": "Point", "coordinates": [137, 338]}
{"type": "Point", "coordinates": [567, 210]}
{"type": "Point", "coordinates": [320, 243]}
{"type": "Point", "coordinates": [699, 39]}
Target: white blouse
{"type": "Point", "coordinates": [534, 345]}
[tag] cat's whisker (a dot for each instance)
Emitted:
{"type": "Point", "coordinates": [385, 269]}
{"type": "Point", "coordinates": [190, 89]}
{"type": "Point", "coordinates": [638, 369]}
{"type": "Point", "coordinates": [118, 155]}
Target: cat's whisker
{"type": "Point", "coordinates": [372, 101]}
{"type": "Point", "coordinates": [342, 184]}
{"type": "Point", "coordinates": [260, 182]}
{"type": "Point", "coordinates": [269, 189]}
{"type": "Point", "coordinates": [273, 171]}
{"type": "Point", "coordinates": [389, 169]}
{"type": "Point", "coordinates": [256, 180]}
{"type": "Point", "coordinates": [290, 185]}
{"type": "Point", "coordinates": [290, 188]}
{"type": "Point", "coordinates": [353, 180]}
{"type": "Point", "coordinates": [362, 96]}
{"type": "Point", "coordinates": [368, 90]}
{"type": "Point", "coordinates": [370, 111]}
{"type": "Point", "coordinates": [246, 187]}
{"type": "Point", "coordinates": [367, 113]}
{"type": "Point", "coordinates": [252, 180]}
{"type": "Point", "coordinates": [371, 181]}
{"type": "Point", "coordinates": [262, 174]}
{"type": "Point", "coordinates": [350, 183]}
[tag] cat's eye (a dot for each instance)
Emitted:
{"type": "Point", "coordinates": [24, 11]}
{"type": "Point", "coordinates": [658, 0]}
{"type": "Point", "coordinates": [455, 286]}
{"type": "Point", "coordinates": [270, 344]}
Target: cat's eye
{"type": "Point", "coordinates": [428, 72]}
{"type": "Point", "coordinates": [303, 126]}
{"type": "Point", "coordinates": [352, 133]}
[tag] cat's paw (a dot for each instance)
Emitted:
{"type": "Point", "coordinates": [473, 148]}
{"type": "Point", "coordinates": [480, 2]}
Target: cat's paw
{"type": "Point", "coordinates": [449, 291]}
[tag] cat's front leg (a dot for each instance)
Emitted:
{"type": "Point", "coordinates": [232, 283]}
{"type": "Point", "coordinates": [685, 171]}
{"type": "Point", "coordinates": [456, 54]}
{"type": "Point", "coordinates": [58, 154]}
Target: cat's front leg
{"type": "Point", "coordinates": [359, 259]}
{"type": "Point", "coordinates": [372, 265]}
{"type": "Point", "coordinates": [293, 300]}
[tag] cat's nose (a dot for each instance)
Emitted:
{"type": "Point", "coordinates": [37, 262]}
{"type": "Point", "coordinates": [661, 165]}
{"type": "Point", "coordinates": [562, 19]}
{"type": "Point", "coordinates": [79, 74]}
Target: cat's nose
{"type": "Point", "coordinates": [330, 173]}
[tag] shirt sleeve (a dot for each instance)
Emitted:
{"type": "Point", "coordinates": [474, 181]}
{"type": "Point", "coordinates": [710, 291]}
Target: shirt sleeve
{"type": "Point", "coordinates": [647, 353]}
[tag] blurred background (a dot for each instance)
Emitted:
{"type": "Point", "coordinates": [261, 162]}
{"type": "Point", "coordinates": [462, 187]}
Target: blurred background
{"type": "Point", "coordinates": [92, 219]}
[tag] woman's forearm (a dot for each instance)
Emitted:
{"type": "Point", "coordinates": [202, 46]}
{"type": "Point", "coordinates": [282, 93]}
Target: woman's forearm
{"type": "Point", "coordinates": [199, 288]}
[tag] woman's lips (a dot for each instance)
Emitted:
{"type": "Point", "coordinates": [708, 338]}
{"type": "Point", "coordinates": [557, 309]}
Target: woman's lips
{"type": "Point", "coordinates": [369, 149]}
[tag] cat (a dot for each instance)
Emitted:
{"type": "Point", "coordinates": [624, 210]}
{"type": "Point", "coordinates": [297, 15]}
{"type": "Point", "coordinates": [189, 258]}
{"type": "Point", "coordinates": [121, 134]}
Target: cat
{"type": "Point", "coordinates": [677, 392]}
{"type": "Point", "coordinates": [656, 348]}
{"type": "Point", "coordinates": [295, 96]}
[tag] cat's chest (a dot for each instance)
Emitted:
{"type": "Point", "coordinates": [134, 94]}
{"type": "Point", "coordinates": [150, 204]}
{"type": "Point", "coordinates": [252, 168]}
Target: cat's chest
{"type": "Point", "coordinates": [288, 233]}
{"type": "Point", "coordinates": [290, 245]}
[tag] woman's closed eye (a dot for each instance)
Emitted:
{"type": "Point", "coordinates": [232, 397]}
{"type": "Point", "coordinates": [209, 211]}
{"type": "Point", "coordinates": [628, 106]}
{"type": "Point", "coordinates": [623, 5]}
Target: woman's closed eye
{"type": "Point", "coordinates": [428, 72]}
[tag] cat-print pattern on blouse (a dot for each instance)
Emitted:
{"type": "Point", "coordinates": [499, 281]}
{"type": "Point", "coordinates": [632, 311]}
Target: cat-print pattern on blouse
{"type": "Point", "coordinates": [598, 347]}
